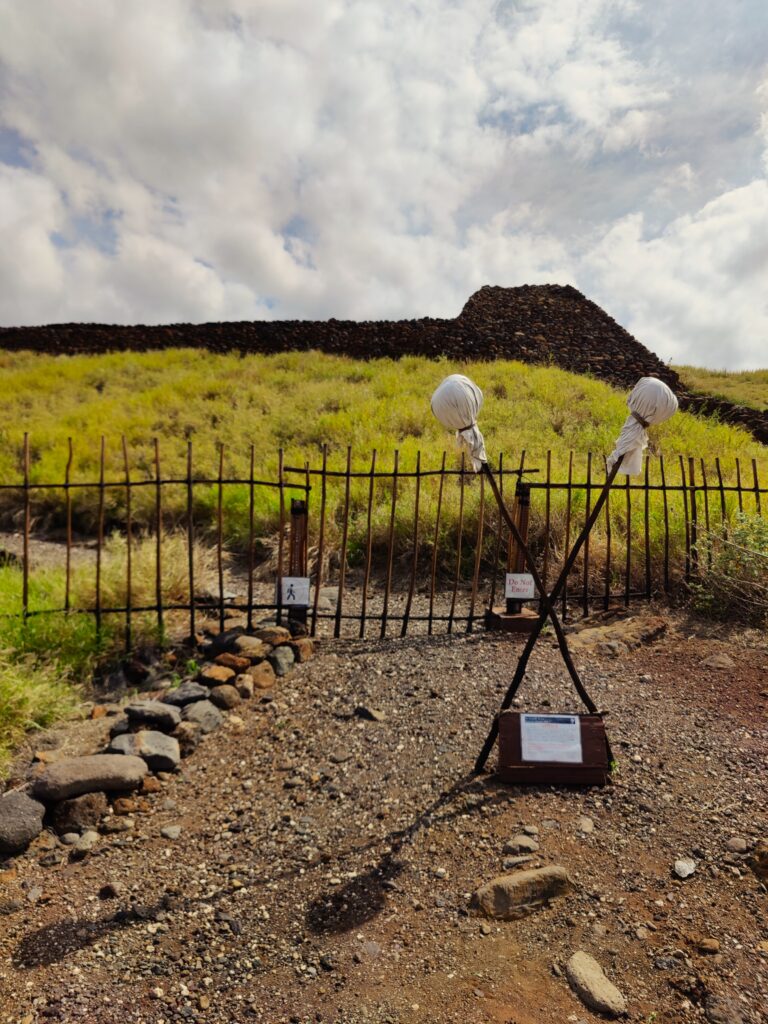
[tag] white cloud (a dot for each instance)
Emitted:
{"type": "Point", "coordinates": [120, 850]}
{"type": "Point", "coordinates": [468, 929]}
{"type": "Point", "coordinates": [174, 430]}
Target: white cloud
{"type": "Point", "coordinates": [224, 159]}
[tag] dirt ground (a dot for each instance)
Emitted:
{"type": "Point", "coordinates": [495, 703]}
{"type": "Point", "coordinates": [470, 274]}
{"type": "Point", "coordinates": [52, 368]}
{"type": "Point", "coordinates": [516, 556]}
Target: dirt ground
{"type": "Point", "coordinates": [326, 859]}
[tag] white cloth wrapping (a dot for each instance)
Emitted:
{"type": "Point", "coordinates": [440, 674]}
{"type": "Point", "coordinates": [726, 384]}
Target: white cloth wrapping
{"type": "Point", "coordinates": [456, 404]}
{"type": "Point", "coordinates": [653, 401]}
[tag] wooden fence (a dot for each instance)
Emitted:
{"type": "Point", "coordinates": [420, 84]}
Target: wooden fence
{"type": "Point", "coordinates": [393, 549]}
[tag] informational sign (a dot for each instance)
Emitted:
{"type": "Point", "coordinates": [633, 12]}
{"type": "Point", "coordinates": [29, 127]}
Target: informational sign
{"type": "Point", "coordinates": [551, 738]}
{"type": "Point", "coordinates": [520, 586]}
{"type": "Point", "coordinates": [295, 591]}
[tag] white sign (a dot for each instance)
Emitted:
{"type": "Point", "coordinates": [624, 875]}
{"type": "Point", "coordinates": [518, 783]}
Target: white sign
{"type": "Point", "coordinates": [295, 590]}
{"type": "Point", "coordinates": [520, 585]}
{"type": "Point", "coordinates": [551, 738]}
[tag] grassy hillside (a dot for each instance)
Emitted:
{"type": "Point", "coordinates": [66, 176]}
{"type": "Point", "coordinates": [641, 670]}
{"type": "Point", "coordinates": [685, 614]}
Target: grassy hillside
{"type": "Point", "coordinates": [298, 402]}
{"type": "Point", "coordinates": [744, 387]}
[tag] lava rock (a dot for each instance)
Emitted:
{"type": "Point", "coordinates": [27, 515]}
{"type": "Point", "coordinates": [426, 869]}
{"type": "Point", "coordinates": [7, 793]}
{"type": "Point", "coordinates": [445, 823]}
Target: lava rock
{"type": "Point", "coordinates": [205, 714]}
{"type": "Point", "coordinates": [21, 819]}
{"type": "Point", "coordinates": [509, 896]}
{"type": "Point", "coordinates": [281, 659]}
{"type": "Point", "coordinates": [185, 694]}
{"type": "Point", "coordinates": [161, 752]}
{"type": "Point", "coordinates": [586, 978]}
{"type": "Point", "coordinates": [97, 772]}
{"type": "Point", "coordinates": [154, 714]}
{"type": "Point", "coordinates": [225, 696]}
{"type": "Point", "coordinates": [80, 812]}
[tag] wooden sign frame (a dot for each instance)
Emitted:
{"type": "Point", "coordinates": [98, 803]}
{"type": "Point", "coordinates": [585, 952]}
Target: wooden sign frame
{"type": "Point", "coordinates": [594, 769]}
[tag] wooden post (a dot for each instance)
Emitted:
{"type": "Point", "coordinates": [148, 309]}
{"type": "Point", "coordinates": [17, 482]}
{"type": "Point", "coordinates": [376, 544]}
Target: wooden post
{"type": "Point", "coordinates": [297, 552]}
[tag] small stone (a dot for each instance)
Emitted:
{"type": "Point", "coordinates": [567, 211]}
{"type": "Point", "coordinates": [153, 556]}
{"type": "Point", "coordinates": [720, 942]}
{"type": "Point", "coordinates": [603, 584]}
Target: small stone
{"type": "Point", "coordinates": [370, 714]}
{"type": "Point", "coordinates": [84, 844]}
{"type": "Point", "coordinates": [215, 675]}
{"type": "Point", "coordinates": [724, 1010]}
{"type": "Point", "coordinates": [531, 830]}
{"type": "Point", "coordinates": [514, 862]}
{"type": "Point", "coordinates": [586, 825]}
{"type": "Point", "coordinates": [709, 946]}
{"type": "Point", "coordinates": [170, 831]}
{"type": "Point", "coordinates": [79, 812]}
{"type": "Point", "coordinates": [339, 756]}
{"type": "Point", "coordinates": [204, 1002]}
{"type": "Point", "coordinates": [485, 928]}
{"type": "Point", "coordinates": [520, 844]}
{"type": "Point", "coordinates": [273, 635]}
{"type": "Point", "coordinates": [236, 662]}
{"type": "Point", "coordinates": [303, 648]}
{"type": "Point", "coordinates": [153, 714]}
{"type": "Point", "coordinates": [21, 819]}
{"type": "Point", "coordinates": [110, 891]}
{"type": "Point", "coordinates": [225, 696]}
{"type": "Point", "coordinates": [69, 838]}
{"type": "Point", "coordinates": [509, 896]}
{"type": "Point", "coordinates": [189, 735]}
{"type": "Point", "coordinates": [152, 785]}
{"type": "Point", "coordinates": [75, 775]}
{"type": "Point", "coordinates": [281, 659]}
{"type": "Point", "coordinates": [586, 978]}
{"type": "Point", "coordinates": [187, 693]}
{"type": "Point", "coordinates": [252, 648]}
{"type": "Point", "coordinates": [206, 714]}
{"type": "Point", "coordinates": [642, 933]}
{"type": "Point", "coordinates": [440, 873]}
{"type": "Point", "coordinates": [684, 868]}
{"type": "Point", "coordinates": [737, 845]}
{"type": "Point", "coordinates": [720, 660]}
{"type": "Point", "coordinates": [263, 676]}
{"type": "Point", "coordinates": [160, 752]}
{"type": "Point", "coordinates": [245, 685]}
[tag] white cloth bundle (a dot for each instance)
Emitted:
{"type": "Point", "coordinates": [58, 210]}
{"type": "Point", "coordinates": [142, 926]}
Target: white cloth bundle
{"type": "Point", "coordinates": [456, 404]}
{"type": "Point", "coordinates": [650, 402]}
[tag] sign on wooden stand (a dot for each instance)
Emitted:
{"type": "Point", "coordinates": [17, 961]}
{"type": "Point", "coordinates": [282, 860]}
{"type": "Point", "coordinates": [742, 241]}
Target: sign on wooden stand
{"type": "Point", "coordinates": [294, 591]}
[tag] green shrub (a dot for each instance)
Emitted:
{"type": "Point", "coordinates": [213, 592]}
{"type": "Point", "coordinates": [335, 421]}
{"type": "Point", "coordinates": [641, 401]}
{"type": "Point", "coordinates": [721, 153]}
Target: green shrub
{"type": "Point", "coordinates": [734, 581]}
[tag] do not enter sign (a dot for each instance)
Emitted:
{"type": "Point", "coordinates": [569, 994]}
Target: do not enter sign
{"type": "Point", "coordinates": [520, 586]}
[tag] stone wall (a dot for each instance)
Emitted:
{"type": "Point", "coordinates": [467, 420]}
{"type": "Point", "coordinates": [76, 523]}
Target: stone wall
{"type": "Point", "coordinates": [534, 323]}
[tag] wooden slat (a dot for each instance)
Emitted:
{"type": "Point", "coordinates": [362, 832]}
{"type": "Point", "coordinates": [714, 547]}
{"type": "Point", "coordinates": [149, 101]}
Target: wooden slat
{"type": "Point", "coordinates": [547, 519]}
{"type": "Point", "coordinates": [281, 539]}
{"type": "Point", "coordinates": [190, 541]}
{"type": "Point", "coordinates": [415, 552]}
{"type": "Point", "coordinates": [723, 516]}
{"type": "Point", "coordinates": [368, 544]}
{"type": "Point", "coordinates": [433, 572]}
{"type": "Point", "coordinates": [478, 554]}
{"type": "Point", "coordinates": [567, 545]}
{"type": "Point", "coordinates": [647, 527]}
{"type": "Point", "coordinates": [390, 547]}
{"type": "Point", "coordinates": [343, 552]}
{"type": "Point", "coordinates": [220, 537]}
{"type": "Point", "coordinates": [687, 522]}
{"type": "Point", "coordinates": [587, 510]}
{"type": "Point", "coordinates": [499, 532]}
{"type": "Point", "coordinates": [27, 528]}
{"type": "Point", "coordinates": [68, 514]}
{"type": "Point", "coordinates": [666, 523]}
{"type": "Point", "coordinates": [628, 563]}
{"type": "Point", "coordinates": [705, 492]}
{"type": "Point", "coordinates": [459, 538]}
{"type": "Point", "coordinates": [159, 544]}
{"type": "Point", "coordinates": [694, 518]}
{"type": "Point", "coordinates": [756, 487]}
{"type": "Point", "coordinates": [321, 539]}
{"type": "Point", "coordinates": [99, 536]}
{"type": "Point", "coordinates": [251, 539]}
{"type": "Point", "coordinates": [739, 491]}
{"type": "Point", "coordinates": [128, 550]}
{"type": "Point", "coordinates": [607, 592]}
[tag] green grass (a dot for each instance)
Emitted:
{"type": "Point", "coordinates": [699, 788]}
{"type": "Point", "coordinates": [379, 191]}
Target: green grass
{"type": "Point", "coordinates": [744, 387]}
{"type": "Point", "coordinates": [33, 694]}
{"type": "Point", "coordinates": [297, 401]}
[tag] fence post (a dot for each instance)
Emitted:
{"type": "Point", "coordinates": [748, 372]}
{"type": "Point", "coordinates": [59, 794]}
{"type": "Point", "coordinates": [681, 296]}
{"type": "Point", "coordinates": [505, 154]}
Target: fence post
{"type": "Point", "coordinates": [523, 503]}
{"type": "Point", "coordinates": [694, 518]}
{"type": "Point", "coordinates": [297, 552]}
{"type": "Point", "coordinates": [27, 523]}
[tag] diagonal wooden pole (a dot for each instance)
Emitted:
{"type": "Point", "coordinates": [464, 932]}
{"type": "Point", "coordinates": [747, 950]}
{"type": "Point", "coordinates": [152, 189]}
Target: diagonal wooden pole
{"type": "Point", "coordinates": [547, 609]}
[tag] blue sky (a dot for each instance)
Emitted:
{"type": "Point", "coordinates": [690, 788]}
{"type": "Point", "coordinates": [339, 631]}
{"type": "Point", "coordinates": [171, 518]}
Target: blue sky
{"type": "Point", "coordinates": [210, 160]}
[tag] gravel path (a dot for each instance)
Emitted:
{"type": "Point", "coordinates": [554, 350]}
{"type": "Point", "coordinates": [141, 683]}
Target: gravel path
{"type": "Point", "coordinates": [331, 836]}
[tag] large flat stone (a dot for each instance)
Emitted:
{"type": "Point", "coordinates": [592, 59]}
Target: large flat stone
{"type": "Point", "coordinates": [586, 978]}
{"type": "Point", "coordinates": [510, 896]}
{"type": "Point", "coordinates": [21, 819]}
{"type": "Point", "coordinates": [160, 752]}
{"type": "Point", "coordinates": [153, 714]}
{"type": "Point", "coordinates": [187, 693]}
{"type": "Point", "coordinates": [98, 772]}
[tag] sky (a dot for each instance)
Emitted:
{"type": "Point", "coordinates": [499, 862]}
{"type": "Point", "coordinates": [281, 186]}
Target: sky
{"type": "Point", "coordinates": [206, 160]}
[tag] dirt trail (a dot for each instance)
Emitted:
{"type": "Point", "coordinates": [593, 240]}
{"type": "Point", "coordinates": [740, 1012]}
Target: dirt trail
{"type": "Point", "coordinates": [325, 860]}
